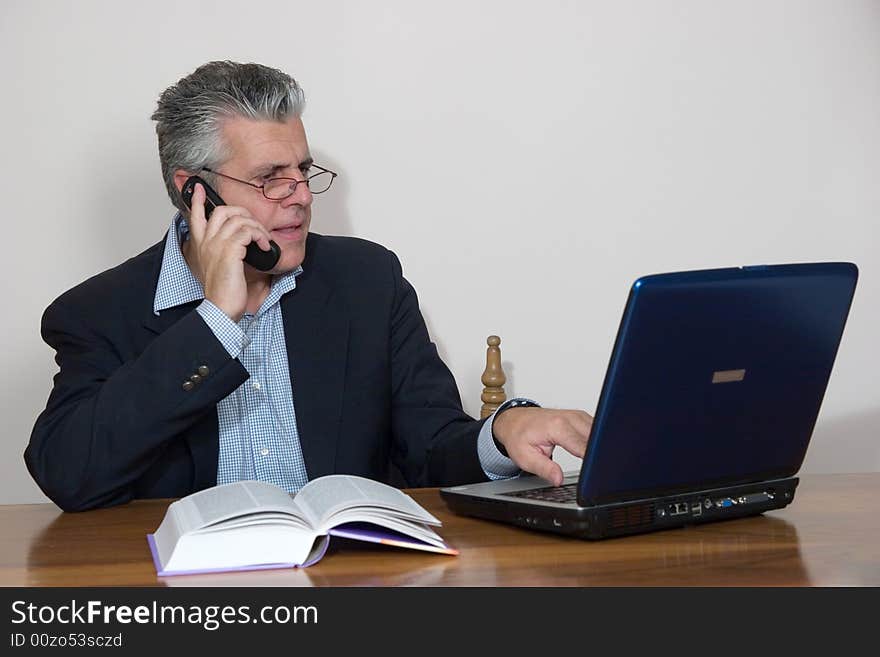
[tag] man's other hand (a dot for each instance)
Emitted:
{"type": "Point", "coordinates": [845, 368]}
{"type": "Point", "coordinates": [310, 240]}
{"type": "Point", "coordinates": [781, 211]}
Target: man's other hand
{"type": "Point", "coordinates": [530, 434]}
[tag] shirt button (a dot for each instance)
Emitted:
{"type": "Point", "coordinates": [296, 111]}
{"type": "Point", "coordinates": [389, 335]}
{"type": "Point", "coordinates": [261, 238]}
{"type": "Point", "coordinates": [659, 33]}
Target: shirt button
{"type": "Point", "coordinates": [256, 385]}
{"type": "Point", "coordinates": [264, 452]}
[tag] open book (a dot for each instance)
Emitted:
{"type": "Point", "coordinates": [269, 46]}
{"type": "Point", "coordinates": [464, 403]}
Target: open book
{"type": "Point", "coordinates": [250, 525]}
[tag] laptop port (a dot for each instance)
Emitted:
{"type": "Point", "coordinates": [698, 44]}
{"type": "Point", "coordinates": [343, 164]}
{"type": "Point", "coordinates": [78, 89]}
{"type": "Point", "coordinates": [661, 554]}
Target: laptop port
{"type": "Point", "coordinates": [677, 508]}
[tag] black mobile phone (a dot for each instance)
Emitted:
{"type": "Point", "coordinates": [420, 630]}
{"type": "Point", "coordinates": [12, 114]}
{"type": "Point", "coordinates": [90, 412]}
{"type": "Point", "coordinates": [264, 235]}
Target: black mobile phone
{"type": "Point", "coordinates": [256, 257]}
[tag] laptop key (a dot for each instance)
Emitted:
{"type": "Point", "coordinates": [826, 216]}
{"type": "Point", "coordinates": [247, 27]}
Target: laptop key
{"type": "Point", "coordinates": [567, 493]}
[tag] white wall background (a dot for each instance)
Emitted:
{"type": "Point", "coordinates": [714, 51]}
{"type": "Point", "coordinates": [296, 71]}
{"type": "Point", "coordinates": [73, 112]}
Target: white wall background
{"type": "Point", "coordinates": [527, 160]}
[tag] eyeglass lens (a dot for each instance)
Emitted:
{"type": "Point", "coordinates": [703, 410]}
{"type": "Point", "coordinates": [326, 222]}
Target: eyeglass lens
{"type": "Point", "coordinates": [280, 189]}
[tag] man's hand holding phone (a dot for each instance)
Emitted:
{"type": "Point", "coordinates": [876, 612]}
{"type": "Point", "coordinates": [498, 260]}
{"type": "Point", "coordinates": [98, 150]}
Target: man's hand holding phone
{"type": "Point", "coordinates": [217, 249]}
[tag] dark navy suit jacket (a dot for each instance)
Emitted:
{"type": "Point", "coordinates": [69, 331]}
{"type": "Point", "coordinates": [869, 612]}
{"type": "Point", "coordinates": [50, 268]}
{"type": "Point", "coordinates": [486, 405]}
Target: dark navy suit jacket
{"type": "Point", "coordinates": [372, 396]}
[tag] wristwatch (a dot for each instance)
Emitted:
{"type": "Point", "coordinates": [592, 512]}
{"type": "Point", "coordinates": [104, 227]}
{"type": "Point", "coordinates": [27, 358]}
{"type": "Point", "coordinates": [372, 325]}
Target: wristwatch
{"type": "Point", "coordinates": [513, 403]}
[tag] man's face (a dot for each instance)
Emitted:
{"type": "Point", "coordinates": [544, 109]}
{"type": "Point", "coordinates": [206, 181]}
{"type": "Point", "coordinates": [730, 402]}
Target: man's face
{"type": "Point", "coordinates": [262, 150]}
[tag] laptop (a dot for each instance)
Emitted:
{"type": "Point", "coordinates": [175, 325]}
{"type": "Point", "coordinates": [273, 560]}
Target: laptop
{"type": "Point", "coordinates": [714, 385]}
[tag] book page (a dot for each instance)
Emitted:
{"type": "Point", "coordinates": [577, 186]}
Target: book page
{"type": "Point", "coordinates": [255, 520]}
{"type": "Point", "coordinates": [235, 500]}
{"type": "Point", "coordinates": [362, 531]}
{"type": "Point", "coordinates": [327, 496]}
{"type": "Point", "coordinates": [416, 530]}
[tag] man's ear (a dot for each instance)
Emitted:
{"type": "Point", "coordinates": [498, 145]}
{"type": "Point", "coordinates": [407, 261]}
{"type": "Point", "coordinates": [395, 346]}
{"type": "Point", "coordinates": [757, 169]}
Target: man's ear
{"type": "Point", "coordinates": [180, 177]}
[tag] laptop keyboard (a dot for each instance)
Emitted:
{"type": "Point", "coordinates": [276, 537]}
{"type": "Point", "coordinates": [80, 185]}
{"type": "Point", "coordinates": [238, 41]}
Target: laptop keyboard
{"type": "Point", "coordinates": [567, 493]}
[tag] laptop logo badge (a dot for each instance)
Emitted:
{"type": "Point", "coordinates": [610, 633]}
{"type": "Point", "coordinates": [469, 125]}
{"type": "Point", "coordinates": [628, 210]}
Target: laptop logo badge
{"type": "Point", "coordinates": [728, 376]}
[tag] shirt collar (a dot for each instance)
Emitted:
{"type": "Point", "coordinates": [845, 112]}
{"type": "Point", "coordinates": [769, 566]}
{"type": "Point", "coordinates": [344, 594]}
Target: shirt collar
{"type": "Point", "coordinates": [177, 285]}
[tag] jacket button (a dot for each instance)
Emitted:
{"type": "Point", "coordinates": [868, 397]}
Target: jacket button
{"type": "Point", "coordinates": [188, 385]}
{"type": "Point", "coordinates": [195, 378]}
{"type": "Point", "coordinates": [203, 371]}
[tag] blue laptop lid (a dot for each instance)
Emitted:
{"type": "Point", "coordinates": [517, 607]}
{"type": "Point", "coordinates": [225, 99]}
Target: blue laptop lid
{"type": "Point", "coordinates": [716, 377]}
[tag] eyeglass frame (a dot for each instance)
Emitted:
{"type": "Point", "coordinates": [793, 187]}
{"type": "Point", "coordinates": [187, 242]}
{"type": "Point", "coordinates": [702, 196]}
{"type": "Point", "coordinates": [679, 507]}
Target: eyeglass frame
{"type": "Point", "coordinates": [295, 182]}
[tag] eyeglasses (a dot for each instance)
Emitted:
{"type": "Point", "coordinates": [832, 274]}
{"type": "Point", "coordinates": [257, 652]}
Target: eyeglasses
{"type": "Point", "coordinates": [278, 189]}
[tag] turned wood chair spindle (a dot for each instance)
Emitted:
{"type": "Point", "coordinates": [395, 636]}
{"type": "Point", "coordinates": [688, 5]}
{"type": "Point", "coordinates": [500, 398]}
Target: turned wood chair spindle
{"type": "Point", "coordinates": [493, 378]}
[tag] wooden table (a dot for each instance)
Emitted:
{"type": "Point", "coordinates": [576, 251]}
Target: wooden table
{"type": "Point", "coordinates": [829, 536]}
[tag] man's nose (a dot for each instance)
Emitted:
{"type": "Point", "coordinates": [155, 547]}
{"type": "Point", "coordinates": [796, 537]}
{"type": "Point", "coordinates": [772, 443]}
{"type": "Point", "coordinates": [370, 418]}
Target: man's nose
{"type": "Point", "coordinates": [302, 195]}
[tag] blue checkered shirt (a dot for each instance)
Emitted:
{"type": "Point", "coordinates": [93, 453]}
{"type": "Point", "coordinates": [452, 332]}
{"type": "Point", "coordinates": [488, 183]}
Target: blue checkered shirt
{"type": "Point", "coordinates": [257, 422]}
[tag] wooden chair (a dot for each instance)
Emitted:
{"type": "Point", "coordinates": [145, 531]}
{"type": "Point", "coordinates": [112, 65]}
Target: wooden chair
{"type": "Point", "coordinates": [493, 378]}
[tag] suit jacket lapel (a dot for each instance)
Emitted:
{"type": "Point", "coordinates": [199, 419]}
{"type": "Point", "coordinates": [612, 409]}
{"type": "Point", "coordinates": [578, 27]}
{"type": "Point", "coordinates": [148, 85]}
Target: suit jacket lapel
{"type": "Point", "coordinates": [166, 318]}
{"type": "Point", "coordinates": [316, 328]}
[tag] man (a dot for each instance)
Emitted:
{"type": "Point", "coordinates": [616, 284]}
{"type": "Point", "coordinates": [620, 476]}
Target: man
{"type": "Point", "coordinates": [185, 367]}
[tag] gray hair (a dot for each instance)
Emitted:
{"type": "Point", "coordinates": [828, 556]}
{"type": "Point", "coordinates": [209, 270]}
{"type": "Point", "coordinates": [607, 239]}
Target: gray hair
{"type": "Point", "coordinates": [190, 114]}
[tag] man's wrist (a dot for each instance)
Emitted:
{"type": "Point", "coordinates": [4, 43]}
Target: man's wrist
{"type": "Point", "coordinates": [513, 403]}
